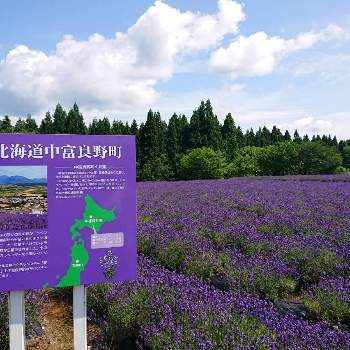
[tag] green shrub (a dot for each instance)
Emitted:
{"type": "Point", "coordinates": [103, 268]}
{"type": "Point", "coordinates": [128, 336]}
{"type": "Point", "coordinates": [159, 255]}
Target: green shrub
{"type": "Point", "coordinates": [272, 286]}
{"type": "Point", "coordinates": [97, 302]}
{"type": "Point", "coordinates": [317, 158]}
{"type": "Point", "coordinates": [327, 306]}
{"type": "Point", "coordinates": [202, 163]}
{"type": "Point", "coordinates": [205, 266]}
{"type": "Point", "coordinates": [145, 219]}
{"type": "Point", "coordinates": [172, 256]}
{"type": "Point", "coordinates": [157, 168]}
{"type": "Point", "coordinates": [256, 248]}
{"type": "Point", "coordinates": [146, 245]}
{"type": "Point", "coordinates": [341, 170]}
{"type": "Point", "coordinates": [201, 266]}
{"type": "Point", "coordinates": [245, 162]}
{"type": "Point", "coordinates": [315, 265]}
{"type": "Point", "coordinates": [124, 318]}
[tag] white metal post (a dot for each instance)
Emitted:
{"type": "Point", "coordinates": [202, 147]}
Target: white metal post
{"type": "Point", "coordinates": [17, 321]}
{"type": "Point", "coordinates": [79, 316]}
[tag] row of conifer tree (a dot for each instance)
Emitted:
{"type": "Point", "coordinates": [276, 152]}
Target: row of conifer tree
{"type": "Point", "coordinates": [160, 144]}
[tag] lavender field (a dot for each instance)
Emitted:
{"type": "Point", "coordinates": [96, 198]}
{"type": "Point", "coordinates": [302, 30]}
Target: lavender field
{"type": "Point", "coordinates": [249, 263]}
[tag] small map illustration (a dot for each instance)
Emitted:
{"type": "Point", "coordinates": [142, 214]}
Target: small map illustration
{"type": "Point", "coordinates": [94, 217]}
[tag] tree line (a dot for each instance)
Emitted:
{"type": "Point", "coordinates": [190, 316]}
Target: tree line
{"type": "Point", "coordinates": [202, 147]}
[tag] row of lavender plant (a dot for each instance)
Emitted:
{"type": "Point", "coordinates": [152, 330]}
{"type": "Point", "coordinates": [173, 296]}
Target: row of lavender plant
{"type": "Point", "coordinates": [233, 252]}
{"type": "Point", "coordinates": [33, 302]}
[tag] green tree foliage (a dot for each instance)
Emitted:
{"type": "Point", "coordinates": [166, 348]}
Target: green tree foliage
{"type": "Point", "coordinates": [163, 150]}
{"type": "Point", "coordinates": [317, 158]}
{"type": "Point", "coordinates": [103, 126]}
{"type": "Point", "coordinates": [246, 162]}
{"type": "Point", "coordinates": [280, 159]}
{"type": "Point", "coordinates": [134, 129]}
{"type": "Point", "coordinates": [6, 125]}
{"type": "Point", "coordinates": [297, 138]}
{"type": "Point", "coordinates": [276, 135]}
{"type": "Point", "coordinates": [176, 131]}
{"type": "Point", "coordinates": [119, 128]}
{"type": "Point", "coordinates": [31, 125]}
{"type": "Point", "coordinates": [287, 136]}
{"type": "Point", "coordinates": [202, 163]}
{"type": "Point", "coordinates": [152, 142]}
{"type": "Point", "coordinates": [249, 138]}
{"type": "Point", "coordinates": [46, 126]}
{"type": "Point", "coordinates": [346, 156]}
{"type": "Point", "coordinates": [157, 169]}
{"type": "Point", "coordinates": [204, 128]}
{"type": "Point", "coordinates": [20, 126]}
{"type": "Point", "coordinates": [75, 121]}
{"type": "Point", "coordinates": [229, 136]}
{"type": "Point", "coordinates": [263, 137]}
{"type": "Point", "coordinates": [59, 120]}
{"type": "Point", "coordinates": [152, 137]}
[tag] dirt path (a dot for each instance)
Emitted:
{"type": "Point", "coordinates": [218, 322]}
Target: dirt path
{"type": "Point", "coordinates": [57, 321]}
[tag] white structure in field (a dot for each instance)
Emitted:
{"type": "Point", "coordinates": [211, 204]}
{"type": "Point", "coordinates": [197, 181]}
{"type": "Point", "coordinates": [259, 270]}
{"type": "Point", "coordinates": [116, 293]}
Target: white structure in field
{"type": "Point", "coordinates": [37, 211]}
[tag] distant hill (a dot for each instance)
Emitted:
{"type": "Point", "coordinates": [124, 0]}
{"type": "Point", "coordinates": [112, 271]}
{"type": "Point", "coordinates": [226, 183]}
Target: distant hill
{"type": "Point", "coordinates": [20, 180]}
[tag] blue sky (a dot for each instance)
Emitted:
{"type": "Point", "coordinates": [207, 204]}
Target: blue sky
{"type": "Point", "coordinates": [31, 172]}
{"type": "Point", "coordinates": [267, 62]}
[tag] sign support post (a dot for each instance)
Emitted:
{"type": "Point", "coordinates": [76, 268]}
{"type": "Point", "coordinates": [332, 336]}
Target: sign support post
{"type": "Point", "coordinates": [17, 321]}
{"type": "Point", "coordinates": [79, 316]}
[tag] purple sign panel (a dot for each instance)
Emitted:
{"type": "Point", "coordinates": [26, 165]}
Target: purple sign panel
{"type": "Point", "coordinates": [67, 210]}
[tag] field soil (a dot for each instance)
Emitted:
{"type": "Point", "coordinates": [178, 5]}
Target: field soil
{"type": "Point", "coordinates": [56, 319]}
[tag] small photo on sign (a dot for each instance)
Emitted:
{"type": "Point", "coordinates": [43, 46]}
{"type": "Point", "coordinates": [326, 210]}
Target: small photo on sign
{"type": "Point", "coordinates": [23, 197]}
{"type": "Point", "coordinates": [23, 189]}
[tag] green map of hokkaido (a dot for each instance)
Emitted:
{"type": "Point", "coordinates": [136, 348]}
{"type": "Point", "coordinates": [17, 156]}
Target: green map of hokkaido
{"type": "Point", "coordinates": [93, 218]}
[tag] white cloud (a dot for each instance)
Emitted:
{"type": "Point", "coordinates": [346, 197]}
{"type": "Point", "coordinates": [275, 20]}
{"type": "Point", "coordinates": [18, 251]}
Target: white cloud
{"type": "Point", "coordinates": [258, 54]}
{"type": "Point", "coordinates": [309, 125]}
{"type": "Point", "coordinates": [332, 68]}
{"type": "Point", "coordinates": [113, 73]}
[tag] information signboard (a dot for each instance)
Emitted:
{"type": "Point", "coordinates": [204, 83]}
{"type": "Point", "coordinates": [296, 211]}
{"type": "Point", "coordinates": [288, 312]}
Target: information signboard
{"type": "Point", "coordinates": [67, 210]}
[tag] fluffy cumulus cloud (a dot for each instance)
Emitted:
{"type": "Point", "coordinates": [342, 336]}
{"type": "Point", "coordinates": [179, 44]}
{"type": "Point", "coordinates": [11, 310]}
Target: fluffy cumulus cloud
{"type": "Point", "coordinates": [259, 53]}
{"type": "Point", "coordinates": [309, 125]}
{"type": "Point", "coordinates": [113, 73]}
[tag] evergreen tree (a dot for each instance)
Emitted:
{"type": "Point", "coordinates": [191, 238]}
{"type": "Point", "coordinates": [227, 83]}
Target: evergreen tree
{"type": "Point", "coordinates": [103, 127]}
{"type": "Point", "coordinates": [297, 138]}
{"type": "Point", "coordinates": [346, 156]}
{"type": "Point", "coordinates": [266, 136]}
{"type": "Point", "coordinates": [134, 128]}
{"type": "Point", "coordinates": [306, 138]}
{"type": "Point", "coordinates": [204, 128]}
{"type": "Point", "coordinates": [20, 126]}
{"type": "Point", "coordinates": [287, 136]}
{"type": "Point", "coordinates": [174, 147]}
{"type": "Point", "coordinates": [59, 120]}
{"type": "Point", "coordinates": [229, 135]}
{"type": "Point", "coordinates": [250, 137]}
{"type": "Point", "coordinates": [335, 142]}
{"type": "Point", "coordinates": [184, 133]}
{"type": "Point", "coordinates": [46, 126]}
{"type": "Point", "coordinates": [92, 129]}
{"type": "Point", "coordinates": [152, 143]}
{"type": "Point", "coordinates": [276, 135]}
{"type": "Point", "coordinates": [31, 125]}
{"type": "Point", "coordinates": [75, 121]}
{"type": "Point", "coordinates": [6, 125]}
{"type": "Point", "coordinates": [127, 129]}
{"type": "Point", "coordinates": [117, 127]}
{"type": "Point", "coordinates": [240, 137]}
